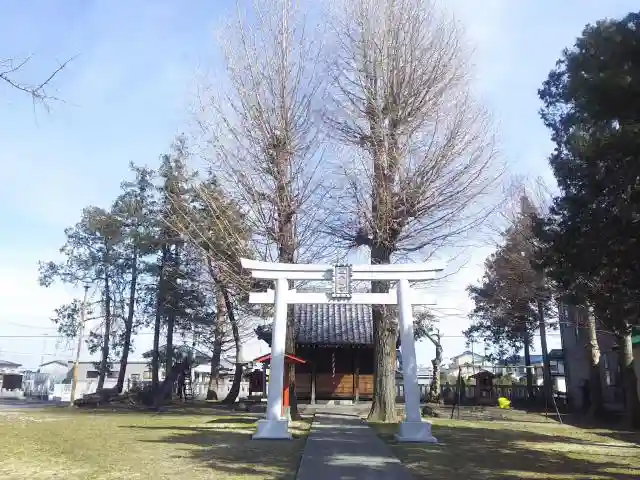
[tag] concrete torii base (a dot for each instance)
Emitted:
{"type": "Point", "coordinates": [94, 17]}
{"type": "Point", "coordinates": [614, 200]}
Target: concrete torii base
{"type": "Point", "coordinates": [272, 430]}
{"type": "Point", "coordinates": [418, 432]}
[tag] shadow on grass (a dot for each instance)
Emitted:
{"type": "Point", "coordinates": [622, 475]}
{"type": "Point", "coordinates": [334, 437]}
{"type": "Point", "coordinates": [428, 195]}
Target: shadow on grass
{"type": "Point", "coordinates": [611, 425]}
{"type": "Point", "coordinates": [229, 451]}
{"type": "Point", "coordinates": [189, 409]}
{"type": "Point", "coordinates": [491, 413]}
{"type": "Point", "coordinates": [495, 453]}
{"type": "Point", "coordinates": [244, 419]}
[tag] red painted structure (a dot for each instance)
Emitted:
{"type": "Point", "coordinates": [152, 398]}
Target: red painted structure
{"type": "Point", "coordinates": [288, 360]}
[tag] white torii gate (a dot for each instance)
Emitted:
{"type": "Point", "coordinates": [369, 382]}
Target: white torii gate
{"type": "Point", "coordinates": [274, 426]}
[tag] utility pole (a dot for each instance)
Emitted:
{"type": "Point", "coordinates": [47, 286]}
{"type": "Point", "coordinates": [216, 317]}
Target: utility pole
{"type": "Point", "coordinates": [83, 308]}
{"type": "Point", "coordinates": [546, 367]}
{"type": "Point", "coordinates": [473, 356]}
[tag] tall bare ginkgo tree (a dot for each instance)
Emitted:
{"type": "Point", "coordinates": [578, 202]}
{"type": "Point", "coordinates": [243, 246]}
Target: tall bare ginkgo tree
{"type": "Point", "coordinates": [418, 159]}
{"type": "Point", "coordinates": [263, 133]}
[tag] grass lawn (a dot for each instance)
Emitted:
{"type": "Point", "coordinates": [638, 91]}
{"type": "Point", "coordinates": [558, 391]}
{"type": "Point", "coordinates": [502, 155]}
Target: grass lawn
{"type": "Point", "coordinates": [58, 443]}
{"type": "Point", "coordinates": [515, 448]}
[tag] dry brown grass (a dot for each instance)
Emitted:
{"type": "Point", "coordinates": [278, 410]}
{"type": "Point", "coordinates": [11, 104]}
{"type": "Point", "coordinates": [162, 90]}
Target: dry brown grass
{"type": "Point", "coordinates": [199, 443]}
{"type": "Point", "coordinates": [519, 447]}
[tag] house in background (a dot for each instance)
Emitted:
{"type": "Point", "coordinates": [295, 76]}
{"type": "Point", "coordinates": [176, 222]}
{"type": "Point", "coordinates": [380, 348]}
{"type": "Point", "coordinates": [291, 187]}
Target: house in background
{"type": "Point", "coordinates": [57, 369]}
{"type": "Point", "coordinates": [467, 363]}
{"type": "Point", "coordinates": [138, 372]}
{"type": "Point", "coordinates": [41, 384]}
{"type": "Point", "coordinates": [470, 364]}
{"type": "Point", "coordinates": [88, 374]}
{"type": "Point", "coordinates": [7, 367]}
{"type": "Point", "coordinates": [10, 379]}
{"type": "Point", "coordinates": [574, 336]}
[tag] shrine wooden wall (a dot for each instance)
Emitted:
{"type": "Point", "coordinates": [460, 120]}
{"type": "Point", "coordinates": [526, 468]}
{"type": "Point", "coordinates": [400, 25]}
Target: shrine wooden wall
{"type": "Point", "coordinates": [335, 372]}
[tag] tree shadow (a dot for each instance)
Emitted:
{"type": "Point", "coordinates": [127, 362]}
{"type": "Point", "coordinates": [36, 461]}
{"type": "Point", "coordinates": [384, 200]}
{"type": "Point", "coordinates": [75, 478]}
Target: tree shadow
{"type": "Point", "coordinates": [494, 453]}
{"type": "Point", "coordinates": [192, 409]}
{"type": "Point", "coordinates": [232, 452]}
{"type": "Point", "coordinates": [244, 419]}
{"type": "Point", "coordinates": [610, 426]}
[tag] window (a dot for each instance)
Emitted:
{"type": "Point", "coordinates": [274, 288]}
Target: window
{"type": "Point", "coordinates": [113, 374]}
{"type": "Point", "coordinates": [92, 374]}
{"type": "Point", "coordinates": [610, 369]}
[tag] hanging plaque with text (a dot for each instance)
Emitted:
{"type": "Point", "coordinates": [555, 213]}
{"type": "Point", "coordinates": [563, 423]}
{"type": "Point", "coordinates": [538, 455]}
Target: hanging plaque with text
{"type": "Point", "coordinates": [341, 281]}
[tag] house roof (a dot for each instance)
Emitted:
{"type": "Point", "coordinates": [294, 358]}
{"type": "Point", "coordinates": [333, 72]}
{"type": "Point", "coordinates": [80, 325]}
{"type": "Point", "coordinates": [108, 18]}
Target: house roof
{"type": "Point", "coordinates": [467, 352]}
{"type": "Point", "coordinates": [556, 354]}
{"type": "Point", "coordinates": [8, 364]}
{"type": "Point", "coordinates": [287, 359]}
{"type": "Point", "coordinates": [329, 324]}
{"type": "Point", "coordinates": [59, 362]}
{"type": "Point", "coordinates": [484, 373]}
{"type": "Point", "coordinates": [178, 349]}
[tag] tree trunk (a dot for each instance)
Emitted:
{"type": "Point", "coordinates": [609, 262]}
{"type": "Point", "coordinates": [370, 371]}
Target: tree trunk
{"type": "Point", "coordinates": [629, 382]}
{"type": "Point", "coordinates": [155, 359]}
{"type": "Point", "coordinates": [221, 315]}
{"type": "Point", "coordinates": [434, 386]}
{"type": "Point", "coordinates": [385, 334]}
{"type": "Point", "coordinates": [546, 365]}
{"type": "Point", "coordinates": [104, 362]}
{"type": "Point", "coordinates": [290, 348]}
{"type": "Point", "coordinates": [527, 362]}
{"type": "Point", "coordinates": [171, 316]}
{"type": "Point", "coordinates": [128, 328]}
{"type": "Point", "coordinates": [237, 376]}
{"type": "Point", "coordinates": [595, 383]}
{"type": "Point", "coordinates": [168, 358]}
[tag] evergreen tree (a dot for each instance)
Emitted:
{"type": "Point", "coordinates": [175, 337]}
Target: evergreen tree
{"type": "Point", "coordinates": [591, 104]}
{"type": "Point", "coordinates": [91, 258]}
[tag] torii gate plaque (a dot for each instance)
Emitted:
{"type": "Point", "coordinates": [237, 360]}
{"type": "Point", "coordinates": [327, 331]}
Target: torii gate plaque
{"type": "Point", "coordinates": [274, 426]}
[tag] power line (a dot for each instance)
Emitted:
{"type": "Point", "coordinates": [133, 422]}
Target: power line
{"type": "Point", "coordinates": [2, 352]}
{"type": "Point", "coordinates": [24, 325]}
{"type": "Point", "coordinates": [151, 333]}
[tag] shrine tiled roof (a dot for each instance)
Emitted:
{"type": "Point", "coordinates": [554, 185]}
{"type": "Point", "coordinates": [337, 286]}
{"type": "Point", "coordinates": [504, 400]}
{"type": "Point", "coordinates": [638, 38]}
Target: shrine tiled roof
{"type": "Point", "coordinates": [329, 324]}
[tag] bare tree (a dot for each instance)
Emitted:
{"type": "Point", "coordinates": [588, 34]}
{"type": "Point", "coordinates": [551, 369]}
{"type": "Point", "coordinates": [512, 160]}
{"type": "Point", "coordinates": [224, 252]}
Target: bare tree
{"type": "Point", "coordinates": [264, 135]}
{"type": "Point", "coordinates": [425, 326]}
{"type": "Point", "coordinates": [419, 165]}
{"type": "Point", "coordinates": [10, 69]}
{"type": "Point", "coordinates": [214, 225]}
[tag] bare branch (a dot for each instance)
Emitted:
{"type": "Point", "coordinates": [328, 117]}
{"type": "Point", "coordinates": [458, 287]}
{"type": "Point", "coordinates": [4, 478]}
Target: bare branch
{"type": "Point", "coordinates": [263, 131]}
{"type": "Point", "coordinates": [421, 166]}
{"type": "Point", "coordinates": [10, 66]}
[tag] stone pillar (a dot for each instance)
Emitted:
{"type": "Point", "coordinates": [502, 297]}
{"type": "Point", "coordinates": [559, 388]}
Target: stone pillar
{"type": "Point", "coordinates": [274, 426]}
{"type": "Point", "coordinates": [412, 429]}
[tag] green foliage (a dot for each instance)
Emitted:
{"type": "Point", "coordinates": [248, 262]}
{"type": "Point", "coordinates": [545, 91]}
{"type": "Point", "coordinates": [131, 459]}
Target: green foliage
{"type": "Point", "coordinates": [592, 107]}
{"type": "Point", "coordinates": [591, 104]}
{"type": "Point", "coordinates": [151, 259]}
{"type": "Point", "coordinates": [424, 324]}
{"type": "Point", "coordinates": [505, 315]}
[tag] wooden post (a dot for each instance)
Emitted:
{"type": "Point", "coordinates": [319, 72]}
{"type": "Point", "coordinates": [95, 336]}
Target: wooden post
{"type": "Point", "coordinates": [285, 393]}
{"type": "Point", "coordinates": [313, 383]}
{"type": "Point", "coordinates": [357, 376]}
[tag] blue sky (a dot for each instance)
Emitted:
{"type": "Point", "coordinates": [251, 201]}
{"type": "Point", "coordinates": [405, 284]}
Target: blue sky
{"type": "Point", "coordinates": [129, 92]}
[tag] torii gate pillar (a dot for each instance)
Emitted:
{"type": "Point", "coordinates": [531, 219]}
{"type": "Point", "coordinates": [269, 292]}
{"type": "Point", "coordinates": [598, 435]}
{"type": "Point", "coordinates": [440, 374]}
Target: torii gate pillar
{"type": "Point", "coordinates": [274, 426]}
